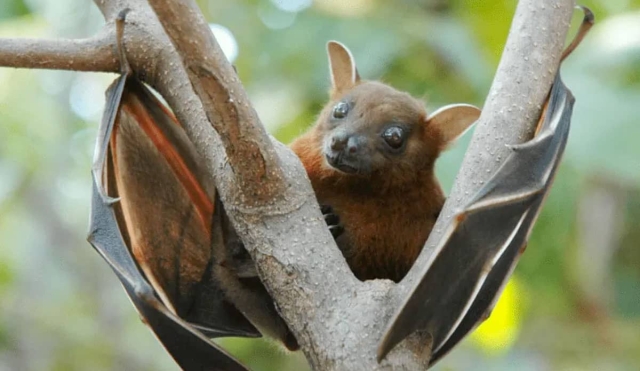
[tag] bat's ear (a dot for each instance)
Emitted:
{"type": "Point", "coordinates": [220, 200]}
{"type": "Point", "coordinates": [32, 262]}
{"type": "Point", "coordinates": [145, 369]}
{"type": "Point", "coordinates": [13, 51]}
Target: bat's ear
{"type": "Point", "coordinates": [451, 121]}
{"type": "Point", "coordinates": [344, 74]}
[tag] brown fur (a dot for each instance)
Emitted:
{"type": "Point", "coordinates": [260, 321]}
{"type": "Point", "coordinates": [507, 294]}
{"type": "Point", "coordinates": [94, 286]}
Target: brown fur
{"type": "Point", "coordinates": [389, 210]}
{"type": "Point", "coordinates": [388, 214]}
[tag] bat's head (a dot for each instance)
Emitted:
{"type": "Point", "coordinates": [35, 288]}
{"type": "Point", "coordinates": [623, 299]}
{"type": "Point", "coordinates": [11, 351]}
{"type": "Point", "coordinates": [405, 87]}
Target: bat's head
{"type": "Point", "coordinates": [371, 128]}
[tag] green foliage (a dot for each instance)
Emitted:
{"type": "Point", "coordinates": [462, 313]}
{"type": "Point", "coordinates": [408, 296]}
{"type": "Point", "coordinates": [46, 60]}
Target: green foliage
{"type": "Point", "coordinates": [12, 8]}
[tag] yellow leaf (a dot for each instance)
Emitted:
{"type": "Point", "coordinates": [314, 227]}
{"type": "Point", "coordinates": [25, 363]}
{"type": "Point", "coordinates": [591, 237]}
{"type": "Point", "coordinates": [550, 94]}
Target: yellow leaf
{"type": "Point", "coordinates": [498, 333]}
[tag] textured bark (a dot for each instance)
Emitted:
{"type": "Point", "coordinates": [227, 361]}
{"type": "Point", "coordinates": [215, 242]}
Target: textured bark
{"type": "Point", "coordinates": [92, 54]}
{"type": "Point", "coordinates": [520, 87]}
{"type": "Point", "coordinates": [337, 319]}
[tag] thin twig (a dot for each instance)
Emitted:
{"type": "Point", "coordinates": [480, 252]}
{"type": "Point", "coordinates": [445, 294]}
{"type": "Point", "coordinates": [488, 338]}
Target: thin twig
{"type": "Point", "coordinates": [91, 54]}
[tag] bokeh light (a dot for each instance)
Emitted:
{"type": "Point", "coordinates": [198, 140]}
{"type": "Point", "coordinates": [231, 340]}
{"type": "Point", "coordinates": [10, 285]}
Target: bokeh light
{"type": "Point", "coordinates": [226, 40]}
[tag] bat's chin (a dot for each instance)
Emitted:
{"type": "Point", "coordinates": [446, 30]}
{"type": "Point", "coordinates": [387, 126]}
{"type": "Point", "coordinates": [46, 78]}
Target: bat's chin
{"type": "Point", "coordinates": [341, 164]}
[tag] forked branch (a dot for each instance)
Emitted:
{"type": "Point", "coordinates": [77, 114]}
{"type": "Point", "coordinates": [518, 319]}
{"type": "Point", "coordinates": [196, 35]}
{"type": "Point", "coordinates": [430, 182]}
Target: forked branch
{"type": "Point", "coordinates": [337, 319]}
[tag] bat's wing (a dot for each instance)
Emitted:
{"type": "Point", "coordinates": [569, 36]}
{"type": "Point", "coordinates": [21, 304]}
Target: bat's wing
{"type": "Point", "coordinates": [473, 259]}
{"type": "Point", "coordinates": [152, 216]}
{"type": "Point", "coordinates": [482, 243]}
{"type": "Point", "coordinates": [547, 147]}
{"type": "Point", "coordinates": [190, 349]}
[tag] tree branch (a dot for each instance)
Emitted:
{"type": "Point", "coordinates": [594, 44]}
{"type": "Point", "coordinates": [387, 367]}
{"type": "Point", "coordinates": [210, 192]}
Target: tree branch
{"type": "Point", "coordinates": [520, 87]}
{"type": "Point", "coordinates": [225, 102]}
{"type": "Point", "coordinates": [288, 238]}
{"type": "Point", "coordinates": [337, 319]}
{"type": "Point", "coordinates": [91, 54]}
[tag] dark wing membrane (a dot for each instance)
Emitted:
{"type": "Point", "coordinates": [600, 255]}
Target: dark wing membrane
{"type": "Point", "coordinates": [475, 257]}
{"type": "Point", "coordinates": [112, 106]}
{"type": "Point", "coordinates": [166, 209]}
{"type": "Point", "coordinates": [190, 349]}
{"type": "Point", "coordinates": [153, 210]}
{"type": "Point", "coordinates": [556, 126]}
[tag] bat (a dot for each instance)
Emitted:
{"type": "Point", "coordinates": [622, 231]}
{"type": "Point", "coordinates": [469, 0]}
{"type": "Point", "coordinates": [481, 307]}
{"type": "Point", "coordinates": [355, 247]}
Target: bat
{"type": "Point", "coordinates": [156, 220]}
{"type": "Point", "coordinates": [483, 242]}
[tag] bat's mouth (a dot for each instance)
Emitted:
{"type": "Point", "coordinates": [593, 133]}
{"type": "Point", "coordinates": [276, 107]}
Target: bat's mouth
{"type": "Point", "coordinates": [339, 163]}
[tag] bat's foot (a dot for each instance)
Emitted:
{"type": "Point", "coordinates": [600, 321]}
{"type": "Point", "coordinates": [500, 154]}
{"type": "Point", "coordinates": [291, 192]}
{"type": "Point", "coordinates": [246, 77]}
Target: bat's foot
{"type": "Point", "coordinates": [291, 343]}
{"type": "Point", "coordinates": [333, 221]}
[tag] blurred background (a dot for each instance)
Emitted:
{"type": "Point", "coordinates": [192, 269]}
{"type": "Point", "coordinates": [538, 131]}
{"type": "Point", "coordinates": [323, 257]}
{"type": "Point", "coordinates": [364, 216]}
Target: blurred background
{"type": "Point", "coordinates": [574, 300]}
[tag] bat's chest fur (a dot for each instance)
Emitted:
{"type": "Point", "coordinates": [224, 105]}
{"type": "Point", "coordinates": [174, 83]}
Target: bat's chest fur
{"type": "Point", "coordinates": [384, 235]}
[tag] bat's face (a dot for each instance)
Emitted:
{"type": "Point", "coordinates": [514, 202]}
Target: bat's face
{"type": "Point", "coordinates": [375, 128]}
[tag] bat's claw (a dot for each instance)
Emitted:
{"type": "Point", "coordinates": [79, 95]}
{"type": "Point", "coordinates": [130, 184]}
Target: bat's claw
{"type": "Point", "coordinates": [326, 209]}
{"type": "Point", "coordinates": [333, 221]}
{"type": "Point", "coordinates": [336, 230]}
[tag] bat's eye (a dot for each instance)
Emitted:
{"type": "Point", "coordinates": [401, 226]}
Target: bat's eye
{"type": "Point", "coordinates": [340, 110]}
{"type": "Point", "coordinates": [394, 137]}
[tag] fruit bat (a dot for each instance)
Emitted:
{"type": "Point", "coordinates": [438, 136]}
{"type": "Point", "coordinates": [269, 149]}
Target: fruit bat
{"type": "Point", "coordinates": [483, 242]}
{"type": "Point", "coordinates": [157, 222]}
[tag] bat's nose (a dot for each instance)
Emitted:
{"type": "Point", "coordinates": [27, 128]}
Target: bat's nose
{"type": "Point", "coordinates": [339, 141]}
{"type": "Point", "coordinates": [343, 142]}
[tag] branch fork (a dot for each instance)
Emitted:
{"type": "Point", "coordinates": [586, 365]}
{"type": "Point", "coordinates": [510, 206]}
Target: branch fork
{"type": "Point", "coordinates": [337, 319]}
